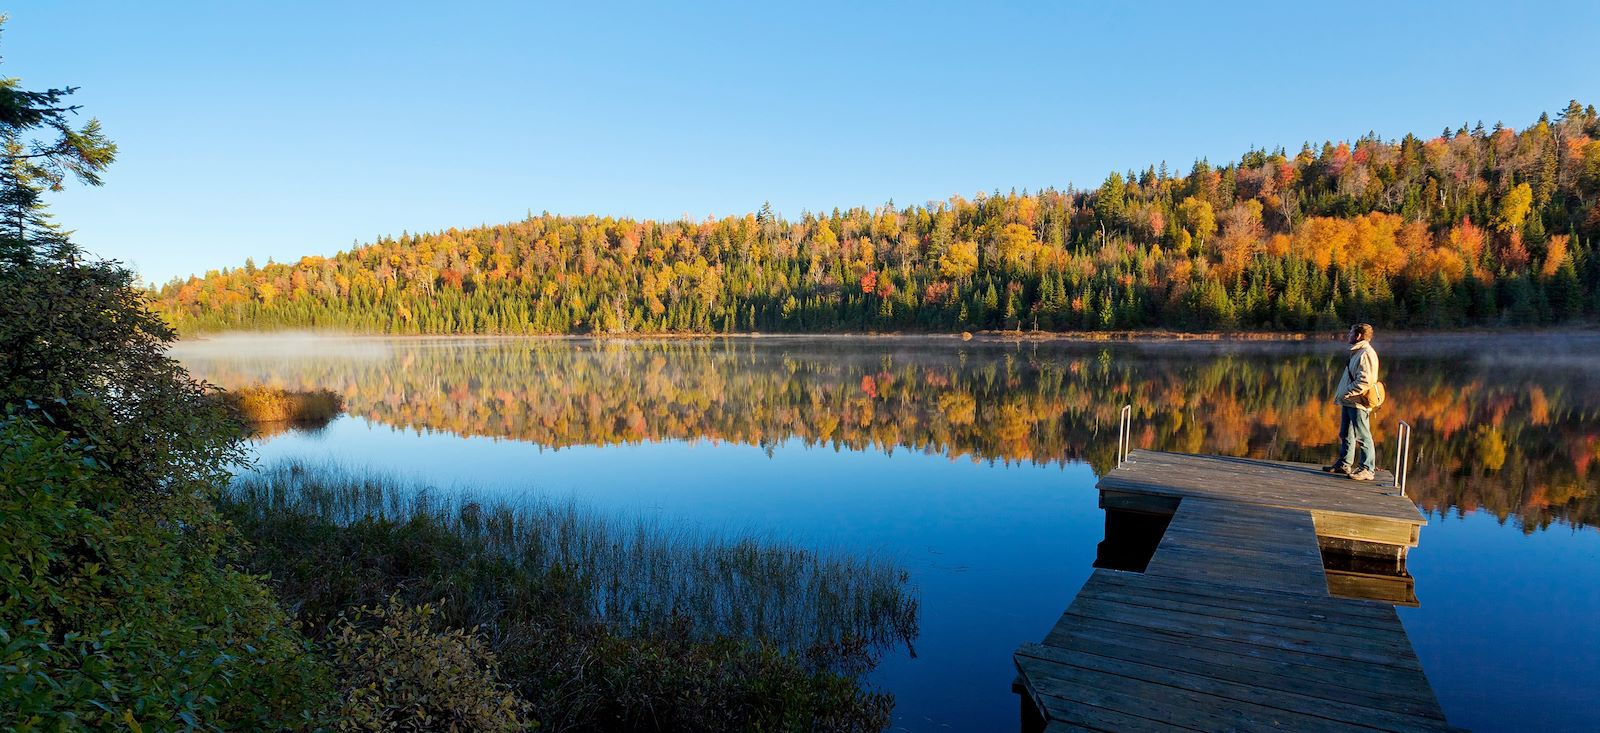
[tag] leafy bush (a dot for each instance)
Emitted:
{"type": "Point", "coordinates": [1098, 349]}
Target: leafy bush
{"type": "Point", "coordinates": [77, 342]}
{"type": "Point", "coordinates": [399, 673]}
{"type": "Point", "coordinates": [118, 604]}
{"type": "Point", "coordinates": [111, 616]}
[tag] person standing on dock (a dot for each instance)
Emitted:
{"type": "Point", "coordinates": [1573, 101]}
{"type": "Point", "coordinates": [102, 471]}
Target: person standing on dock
{"type": "Point", "coordinates": [1358, 393]}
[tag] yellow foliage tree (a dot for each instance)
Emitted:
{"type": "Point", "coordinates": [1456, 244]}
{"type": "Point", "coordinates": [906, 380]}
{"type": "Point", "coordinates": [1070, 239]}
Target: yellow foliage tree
{"type": "Point", "coordinates": [960, 262]}
{"type": "Point", "coordinates": [1198, 219]}
{"type": "Point", "coordinates": [1323, 240]}
{"type": "Point", "coordinates": [1017, 247]}
{"type": "Point", "coordinates": [1514, 207]}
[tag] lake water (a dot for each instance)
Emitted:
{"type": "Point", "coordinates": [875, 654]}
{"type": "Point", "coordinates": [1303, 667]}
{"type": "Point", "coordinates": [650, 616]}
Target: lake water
{"type": "Point", "coordinates": [973, 465]}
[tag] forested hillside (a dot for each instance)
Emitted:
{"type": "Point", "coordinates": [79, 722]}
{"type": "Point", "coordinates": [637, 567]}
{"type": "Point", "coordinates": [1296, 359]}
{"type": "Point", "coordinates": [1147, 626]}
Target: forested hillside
{"type": "Point", "coordinates": [1473, 226]}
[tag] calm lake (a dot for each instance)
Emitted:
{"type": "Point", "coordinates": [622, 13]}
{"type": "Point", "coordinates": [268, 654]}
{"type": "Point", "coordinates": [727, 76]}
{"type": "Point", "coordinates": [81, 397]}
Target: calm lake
{"type": "Point", "coordinates": [973, 465]}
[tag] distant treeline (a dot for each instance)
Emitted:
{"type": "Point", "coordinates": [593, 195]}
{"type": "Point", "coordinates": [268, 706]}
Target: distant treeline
{"type": "Point", "coordinates": [1474, 226]}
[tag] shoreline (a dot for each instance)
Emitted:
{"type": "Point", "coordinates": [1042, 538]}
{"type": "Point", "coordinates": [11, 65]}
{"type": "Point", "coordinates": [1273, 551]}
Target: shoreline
{"type": "Point", "coordinates": [983, 337]}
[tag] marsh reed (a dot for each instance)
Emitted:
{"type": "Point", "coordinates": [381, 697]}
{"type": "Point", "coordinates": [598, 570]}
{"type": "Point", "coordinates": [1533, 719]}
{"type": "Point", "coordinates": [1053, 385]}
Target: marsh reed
{"type": "Point", "coordinates": [635, 575]}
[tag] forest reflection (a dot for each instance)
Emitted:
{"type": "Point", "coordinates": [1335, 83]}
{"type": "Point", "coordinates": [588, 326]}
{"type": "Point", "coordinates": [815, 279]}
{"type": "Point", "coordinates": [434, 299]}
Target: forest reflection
{"type": "Point", "coordinates": [1517, 437]}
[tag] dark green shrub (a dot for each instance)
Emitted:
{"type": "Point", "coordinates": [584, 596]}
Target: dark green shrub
{"type": "Point", "coordinates": [112, 617]}
{"type": "Point", "coordinates": [119, 608]}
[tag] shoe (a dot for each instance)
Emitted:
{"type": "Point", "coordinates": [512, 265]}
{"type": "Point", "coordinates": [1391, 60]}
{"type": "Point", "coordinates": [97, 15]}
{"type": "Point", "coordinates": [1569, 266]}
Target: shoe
{"type": "Point", "coordinates": [1365, 475]}
{"type": "Point", "coordinates": [1337, 468]}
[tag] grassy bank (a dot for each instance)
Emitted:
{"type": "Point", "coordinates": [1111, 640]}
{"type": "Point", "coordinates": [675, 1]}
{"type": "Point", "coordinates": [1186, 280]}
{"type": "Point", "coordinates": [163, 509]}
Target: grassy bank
{"type": "Point", "coordinates": [598, 623]}
{"type": "Point", "coordinates": [268, 409]}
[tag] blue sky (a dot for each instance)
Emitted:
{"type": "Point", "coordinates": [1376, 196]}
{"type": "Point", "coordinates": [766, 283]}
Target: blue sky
{"type": "Point", "coordinates": [277, 130]}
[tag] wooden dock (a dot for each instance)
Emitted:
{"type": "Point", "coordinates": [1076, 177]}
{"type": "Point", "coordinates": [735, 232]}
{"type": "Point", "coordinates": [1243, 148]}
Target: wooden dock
{"type": "Point", "coordinates": [1232, 625]}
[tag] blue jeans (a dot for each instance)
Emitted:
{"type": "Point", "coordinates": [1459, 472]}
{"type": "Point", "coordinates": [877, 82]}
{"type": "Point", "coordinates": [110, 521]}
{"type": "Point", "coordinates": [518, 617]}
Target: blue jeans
{"type": "Point", "coordinates": [1355, 432]}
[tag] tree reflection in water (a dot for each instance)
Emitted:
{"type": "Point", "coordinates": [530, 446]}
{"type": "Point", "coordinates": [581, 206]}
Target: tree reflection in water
{"type": "Point", "coordinates": [1507, 424]}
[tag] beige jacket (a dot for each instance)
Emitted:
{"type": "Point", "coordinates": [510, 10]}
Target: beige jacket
{"type": "Point", "coordinates": [1360, 374]}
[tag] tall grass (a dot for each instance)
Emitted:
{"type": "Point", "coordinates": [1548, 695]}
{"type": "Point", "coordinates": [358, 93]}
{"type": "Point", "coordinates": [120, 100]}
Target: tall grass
{"type": "Point", "coordinates": [632, 621]}
{"type": "Point", "coordinates": [635, 575]}
{"type": "Point", "coordinates": [267, 407]}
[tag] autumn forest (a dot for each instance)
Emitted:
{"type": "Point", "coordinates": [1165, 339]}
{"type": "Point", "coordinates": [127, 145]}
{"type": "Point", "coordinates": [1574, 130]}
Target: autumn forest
{"type": "Point", "coordinates": [1473, 226]}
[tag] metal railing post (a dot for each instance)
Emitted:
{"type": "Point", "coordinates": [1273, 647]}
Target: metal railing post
{"type": "Point", "coordinates": [1402, 456]}
{"type": "Point", "coordinates": [1124, 434]}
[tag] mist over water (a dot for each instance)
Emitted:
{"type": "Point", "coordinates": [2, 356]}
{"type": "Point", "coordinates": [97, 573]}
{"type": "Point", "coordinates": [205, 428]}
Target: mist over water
{"type": "Point", "coordinates": [973, 465]}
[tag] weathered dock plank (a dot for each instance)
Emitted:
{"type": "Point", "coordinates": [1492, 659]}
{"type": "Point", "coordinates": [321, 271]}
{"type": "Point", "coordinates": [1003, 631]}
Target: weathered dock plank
{"type": "Point", "coordinates": [1277, 699]}
{"type": "Point", "coordinates": [1247, 545]}
{"type": "Point", "coordinates": [1231, 625]}
{"type": "Point", "coordinates": [1265, 483]}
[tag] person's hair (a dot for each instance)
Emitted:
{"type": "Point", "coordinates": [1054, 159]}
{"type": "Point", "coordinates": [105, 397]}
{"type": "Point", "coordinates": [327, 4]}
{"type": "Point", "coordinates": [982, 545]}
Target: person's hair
{"type": "Point", "coordinates": [1364, 330]}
